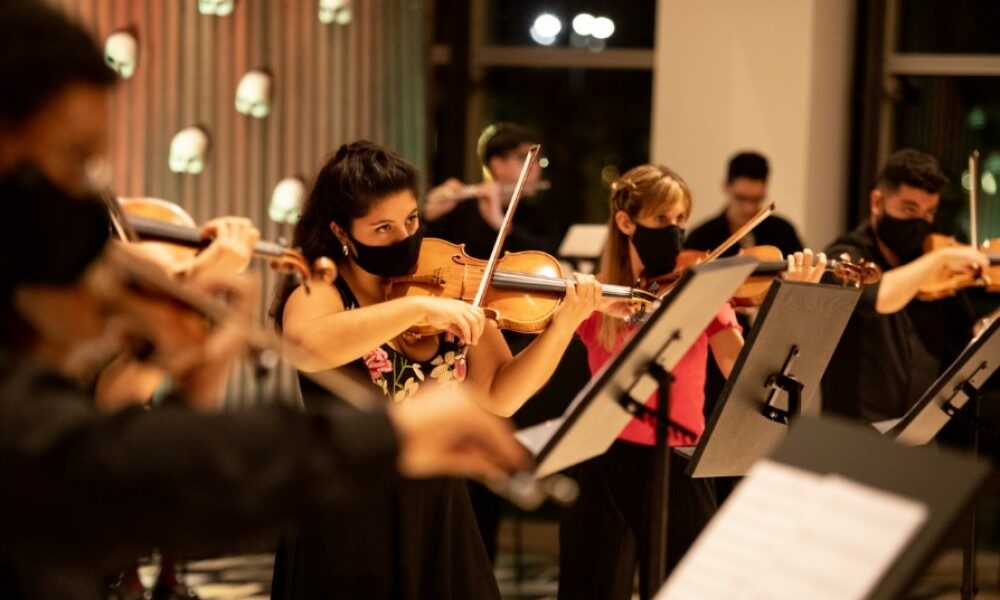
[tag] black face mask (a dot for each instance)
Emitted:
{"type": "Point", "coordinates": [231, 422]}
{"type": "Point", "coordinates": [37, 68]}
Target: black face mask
{"type": "Point", "coordinates": [393, 260]}
{"type": "Point", "coordinates": [658, 248]}
{"type": "Point", "coordinates": [905, 237]}
{"type": "Point", "coordinates": [47, 236]}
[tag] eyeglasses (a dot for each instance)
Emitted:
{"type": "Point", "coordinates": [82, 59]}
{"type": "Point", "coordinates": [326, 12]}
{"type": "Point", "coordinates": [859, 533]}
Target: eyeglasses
{"type": "Point", "coordinates": [748, 199]}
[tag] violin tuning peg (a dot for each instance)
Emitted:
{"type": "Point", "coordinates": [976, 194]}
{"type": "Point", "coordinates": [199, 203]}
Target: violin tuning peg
{"type": "Point", "coordinates": [325, 270]}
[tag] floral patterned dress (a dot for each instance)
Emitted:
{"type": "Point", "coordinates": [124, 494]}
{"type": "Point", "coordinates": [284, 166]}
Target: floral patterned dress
{"type": "Point", "coordinates": [418, 541]}
{"type": "Point", "coordinates": [400, 377]}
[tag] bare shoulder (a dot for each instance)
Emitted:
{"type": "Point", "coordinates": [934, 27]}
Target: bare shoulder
{"type": "Point", "coordinates": [302, 307]}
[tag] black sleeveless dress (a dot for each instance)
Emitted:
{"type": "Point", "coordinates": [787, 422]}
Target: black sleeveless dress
{"type": "Point", "coordinates": [419, 541]}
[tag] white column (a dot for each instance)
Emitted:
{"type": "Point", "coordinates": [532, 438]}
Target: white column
{"type": "Point", "coordinates": [767, 75]}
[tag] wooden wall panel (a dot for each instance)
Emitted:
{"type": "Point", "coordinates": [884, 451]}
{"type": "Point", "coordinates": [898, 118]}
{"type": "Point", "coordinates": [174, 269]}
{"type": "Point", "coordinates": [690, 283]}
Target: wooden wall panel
{"type": "Point", "coordinates": [331, 84]}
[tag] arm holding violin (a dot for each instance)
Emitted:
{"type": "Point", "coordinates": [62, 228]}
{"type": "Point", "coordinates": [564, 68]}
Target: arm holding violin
{"type": "Point", "coordinates": [126, 379]}
{"type": "Point", "coordinates": [319, 324]}
{"type": "Point", "coordinates": [726, 346]}
{"type": "Point", "coordinates": [504, 382]}
{"type": "Point", "coordinates": [900, 285]}
{"type": "Point", "coordinates": [725, 339]}
{"type": "Point", "coordinates": [232, 247]}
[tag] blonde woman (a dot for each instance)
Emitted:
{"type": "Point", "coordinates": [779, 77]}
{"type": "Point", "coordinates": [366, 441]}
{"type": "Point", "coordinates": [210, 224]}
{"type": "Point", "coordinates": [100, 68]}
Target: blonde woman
{"type": "Point", "coordinates": [606, 534]}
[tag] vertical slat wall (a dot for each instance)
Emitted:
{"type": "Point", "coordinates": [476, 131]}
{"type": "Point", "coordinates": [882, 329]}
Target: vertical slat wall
{"type": "Point", "coordinates": [331, 84]}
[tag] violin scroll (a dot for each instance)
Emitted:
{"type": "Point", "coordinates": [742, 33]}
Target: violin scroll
{"type": "Point", "coordinates": [855, 273]}
{"type": "Point", "coordinates": [325, 270]}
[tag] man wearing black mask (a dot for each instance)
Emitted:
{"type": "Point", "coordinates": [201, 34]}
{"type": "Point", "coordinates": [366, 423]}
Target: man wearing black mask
{"type": "Point", "coordinates": [895, 345]}
{"type": "Point", "coordinates": [84, 491]}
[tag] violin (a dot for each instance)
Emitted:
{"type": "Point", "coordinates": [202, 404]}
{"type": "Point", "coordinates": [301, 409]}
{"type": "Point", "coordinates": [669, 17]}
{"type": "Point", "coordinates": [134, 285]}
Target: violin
{"type": "Point", "coordinates": [947, 284]}
{"type": "Point", "coordinates": [753, 291]}
{"type": "Point", "coordinates": [771, 264]}
{"type": "Point", "coordinates": [526, 287]}
{"type": "Point", "coordinates": [166, 224]}
{"type": "Point", "coordinates": [121, 271]}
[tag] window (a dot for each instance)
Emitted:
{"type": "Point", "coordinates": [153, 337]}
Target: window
{"type": "Point", "coordinates": [521, 60]}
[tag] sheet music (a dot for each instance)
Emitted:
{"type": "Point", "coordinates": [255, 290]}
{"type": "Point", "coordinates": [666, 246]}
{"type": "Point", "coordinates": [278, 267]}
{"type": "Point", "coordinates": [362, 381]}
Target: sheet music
{"type": "Point", "coordinates": [787, 533]}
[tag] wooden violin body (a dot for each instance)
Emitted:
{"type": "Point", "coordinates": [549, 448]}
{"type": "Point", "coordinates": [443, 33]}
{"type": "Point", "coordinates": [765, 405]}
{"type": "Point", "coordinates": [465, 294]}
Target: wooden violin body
{"type": "Point", "coordinates": [525, 290]}
{"type": "Point", "coordinates": [772, 263]}
{"type": "Point", "coordinates": [947, 284]}
{"type": "Point", "coordinates": [444, 270]}
{"type": "Point", "coordinates": [161, 211]}
{"type": "Point", "coordinates": [171, 232]}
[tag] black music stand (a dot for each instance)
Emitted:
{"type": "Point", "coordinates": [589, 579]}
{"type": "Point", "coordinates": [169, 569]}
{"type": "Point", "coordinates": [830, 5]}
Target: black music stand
{"type": "Point", "coordinates": [957, 386]}
{"type": "Point", "coordinates": [869, 480]}
{"type": "Point", "coordinates": [775, 377]}
{"type": "Point", "coordinates": [620, 390]}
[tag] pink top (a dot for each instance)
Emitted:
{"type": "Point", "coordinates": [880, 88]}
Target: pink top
{"type": "Point", "coordinates": [687, 394]}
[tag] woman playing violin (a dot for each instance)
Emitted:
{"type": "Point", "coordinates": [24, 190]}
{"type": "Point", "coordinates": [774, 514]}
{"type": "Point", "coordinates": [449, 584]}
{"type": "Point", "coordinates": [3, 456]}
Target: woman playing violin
{"type": "Point", "coordinates": [607, 532]}
{"type": "Point", "coordinates": [363, 210]}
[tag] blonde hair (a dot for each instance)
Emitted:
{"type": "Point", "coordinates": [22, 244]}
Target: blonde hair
{"type": "Point", "coordinates": [643, 190]}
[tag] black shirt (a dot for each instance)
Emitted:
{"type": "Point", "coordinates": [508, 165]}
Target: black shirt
{"type": "Point", "coordinates": [884, 363]}
{"type": "Point", "coordinates": [465, 225]}
{"type": "Point", "coordinates": [85, 492]}
{"type": "Point", "coordinates": [772, 231]}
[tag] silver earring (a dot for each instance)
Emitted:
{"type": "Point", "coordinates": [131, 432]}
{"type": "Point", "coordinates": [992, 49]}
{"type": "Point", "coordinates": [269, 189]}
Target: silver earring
{"type": "Point", "coordinates": [344, 248]}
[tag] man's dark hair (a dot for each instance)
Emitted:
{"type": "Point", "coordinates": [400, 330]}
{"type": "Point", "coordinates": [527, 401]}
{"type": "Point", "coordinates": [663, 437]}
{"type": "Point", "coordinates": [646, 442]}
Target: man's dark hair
{"type": "Point", "coordinates": [500, 139]}
{"type": "Point", "coordinates": [750, 165]}
{"type": "Point", "coordinates": [913, 168]}
{"type": "Point", "coordinates": [42, 52]}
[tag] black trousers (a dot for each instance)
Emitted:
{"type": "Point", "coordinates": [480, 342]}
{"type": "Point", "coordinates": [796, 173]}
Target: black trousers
{"type": "Point", "coordinates": [606, 534]}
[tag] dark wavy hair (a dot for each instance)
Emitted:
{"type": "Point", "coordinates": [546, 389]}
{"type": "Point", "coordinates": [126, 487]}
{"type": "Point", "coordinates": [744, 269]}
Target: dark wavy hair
{"type": "Point", "coordinates": [347, 187]}
{"type": "Point", "coordinates": [751, 165]}
{"type": "Point", "coordinates": [501, 139]}
{"type": "Point", "coordinates": [913, 168]}
{"type": "Point", "coordinates": [41, 53]}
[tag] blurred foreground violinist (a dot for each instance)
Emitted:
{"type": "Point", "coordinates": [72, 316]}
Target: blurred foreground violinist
{"type": "Point", "coordinates": [84, 492]}
{"type": "Point", "coordinates": [895, 344]}
{"type": "Point", "coordinates": [54, 115]}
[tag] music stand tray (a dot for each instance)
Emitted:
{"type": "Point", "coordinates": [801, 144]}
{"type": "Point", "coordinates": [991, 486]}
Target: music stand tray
{"type": "Point", "coordinates": [584, 240]}
{"type": "Point", "coordinates": [856, 516]}
{"type": "Point", "coordinates": [949, 393]}
{"type": "Point", "coordinates": [775, 377]}
{"type": "Point", "coordinates": [597, 416]}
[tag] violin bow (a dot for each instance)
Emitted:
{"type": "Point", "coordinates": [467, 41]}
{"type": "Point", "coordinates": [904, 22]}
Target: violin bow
{"type": "Point", "coordinates": [737, 235]}
{"type": "Point", "coordinates": [119, 220]}
{"type": "Point", "coordinates": [521, 488]}
{"type": "Point", "coordinates": [973, 195]}
{"type": "Point", "coordinates": [505, 227]}
{"type": "Point", "coordinates": [744, 229]}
